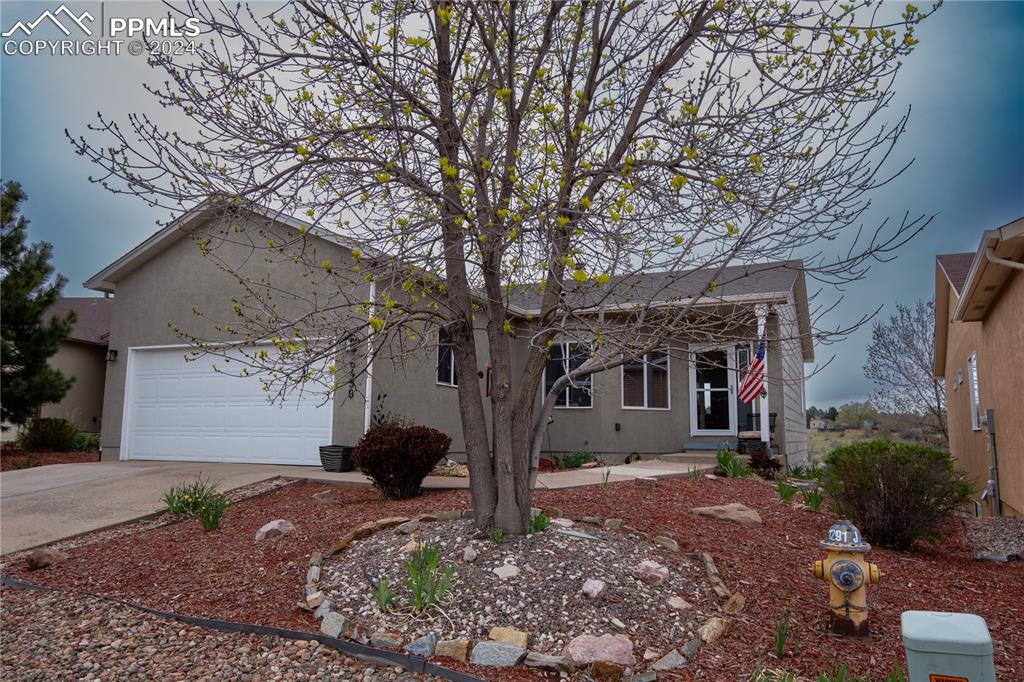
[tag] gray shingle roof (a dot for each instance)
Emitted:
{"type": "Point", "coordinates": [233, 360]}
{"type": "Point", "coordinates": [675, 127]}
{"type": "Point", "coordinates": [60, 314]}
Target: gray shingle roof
{"type": "Point", "coordinates": [735, 280]}
{"type": "Point", "coordinates": [92, 324]}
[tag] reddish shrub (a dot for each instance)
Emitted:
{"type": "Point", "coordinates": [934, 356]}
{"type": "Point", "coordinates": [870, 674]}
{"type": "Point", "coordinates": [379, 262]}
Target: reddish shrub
{"type": "Point", "coordinates": [398, 458]}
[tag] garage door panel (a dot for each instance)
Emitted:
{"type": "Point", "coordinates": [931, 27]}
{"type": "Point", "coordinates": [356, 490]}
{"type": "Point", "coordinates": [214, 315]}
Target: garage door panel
{"type": "Point", "coordinates": [185, 410]}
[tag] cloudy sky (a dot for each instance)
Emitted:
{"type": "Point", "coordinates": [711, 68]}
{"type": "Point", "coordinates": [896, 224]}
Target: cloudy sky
{"type": "Point", "coordinates": [964, 82]}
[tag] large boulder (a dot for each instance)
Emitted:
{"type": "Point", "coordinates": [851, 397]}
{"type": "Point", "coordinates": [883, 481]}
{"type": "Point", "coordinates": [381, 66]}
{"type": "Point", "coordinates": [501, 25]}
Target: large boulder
{"type": "Point", "coordinates": [734, 512]}
{"type": "Point", "coordinates": [587, 649]}
{"type": "Point", "coordinates": [274, 529]}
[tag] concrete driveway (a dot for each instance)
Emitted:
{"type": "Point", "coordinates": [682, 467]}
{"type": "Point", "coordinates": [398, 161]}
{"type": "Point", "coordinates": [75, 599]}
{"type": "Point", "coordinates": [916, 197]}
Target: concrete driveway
{"type": "Point", "coordinates": [49, 503]}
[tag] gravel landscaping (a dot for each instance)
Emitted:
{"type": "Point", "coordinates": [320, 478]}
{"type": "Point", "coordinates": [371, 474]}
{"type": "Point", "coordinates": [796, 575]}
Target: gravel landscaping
{"type": "Point", "coordinates": [542, 595]}
{"type": "Point", "coordinates": [1001, 538]}
{"type": "Point", "coordinates": [58, 636]}
{"type": "Point", "coordinates": [227, 575]}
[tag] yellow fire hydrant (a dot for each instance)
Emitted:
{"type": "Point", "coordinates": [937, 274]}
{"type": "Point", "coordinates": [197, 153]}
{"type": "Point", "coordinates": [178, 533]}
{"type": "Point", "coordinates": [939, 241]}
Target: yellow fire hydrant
{"type": "Point", "coordinates": [848, 575]}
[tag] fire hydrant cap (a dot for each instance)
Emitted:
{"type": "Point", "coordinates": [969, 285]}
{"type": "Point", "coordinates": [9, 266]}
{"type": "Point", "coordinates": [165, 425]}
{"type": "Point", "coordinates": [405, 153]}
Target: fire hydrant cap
{"type": "Point", "coordinates": [843, 536]}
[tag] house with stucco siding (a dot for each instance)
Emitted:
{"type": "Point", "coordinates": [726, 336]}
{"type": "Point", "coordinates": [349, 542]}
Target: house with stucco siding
{"type": "Point", "coordinates": [979, 354]}
{"type": "Point", "coordinates": [161, 402]}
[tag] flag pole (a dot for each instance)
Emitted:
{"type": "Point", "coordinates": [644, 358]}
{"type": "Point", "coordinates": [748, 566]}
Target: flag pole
{"type": "Point", "coordinates": [762, 324]}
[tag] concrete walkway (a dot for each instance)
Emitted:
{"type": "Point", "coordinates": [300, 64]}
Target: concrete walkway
{"type": "Point", "coordinates": [45, 504]}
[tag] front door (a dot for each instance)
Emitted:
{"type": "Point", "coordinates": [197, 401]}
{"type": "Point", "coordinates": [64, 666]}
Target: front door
{"type": "Point", "coordinates": [712, 391]}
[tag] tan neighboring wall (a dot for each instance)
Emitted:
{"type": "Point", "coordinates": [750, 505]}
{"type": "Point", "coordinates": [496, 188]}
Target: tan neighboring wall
{"type": "Point", "coordinates": [998, 341]}
{"type": "Point", "coordinates": [83, 404]}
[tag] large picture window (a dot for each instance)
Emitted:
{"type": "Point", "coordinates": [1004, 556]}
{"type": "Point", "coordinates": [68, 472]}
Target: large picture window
{"type": "Point", "coordinates": [645, 382]}
{"type": "Point", "coordinates": [562, 359]}
{"type": "Point", "coordinates": [446, 373]}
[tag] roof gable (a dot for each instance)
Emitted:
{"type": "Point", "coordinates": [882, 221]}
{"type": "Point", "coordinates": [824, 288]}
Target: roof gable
{"type": "Point", "coordinates": [92, 317]}
{"type": "Point", "coordinates": [956, 266]}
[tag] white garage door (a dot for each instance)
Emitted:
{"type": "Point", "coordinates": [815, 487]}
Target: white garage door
{"type": "Point", "coordinates": [185, 410]}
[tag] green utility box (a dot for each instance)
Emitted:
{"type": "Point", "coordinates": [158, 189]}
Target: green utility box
{"type": "Point", "coordinates": [947, 647]}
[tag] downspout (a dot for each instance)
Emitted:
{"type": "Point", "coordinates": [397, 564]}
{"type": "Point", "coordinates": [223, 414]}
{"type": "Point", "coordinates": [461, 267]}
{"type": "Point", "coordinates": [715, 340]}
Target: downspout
{"type": "Point", "coordinates": [990, 254]}
{"type": "Point", "coordinates": [992, 486]}
{"type": "Point", "coordinates": [368, 397]}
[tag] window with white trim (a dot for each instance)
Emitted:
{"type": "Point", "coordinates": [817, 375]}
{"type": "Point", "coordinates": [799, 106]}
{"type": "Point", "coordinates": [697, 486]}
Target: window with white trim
{"type": "Point", "coordinates": [973, 391]}
{"type": "Point", "coordinates": [562, 359]}
{"type": "Point", "coordinates": [645, 382]}
{"type": "Point", "coordinates": [446, 373]}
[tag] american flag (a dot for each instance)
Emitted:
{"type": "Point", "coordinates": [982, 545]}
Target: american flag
{"type": "Point", "coordinates": [754, 381]}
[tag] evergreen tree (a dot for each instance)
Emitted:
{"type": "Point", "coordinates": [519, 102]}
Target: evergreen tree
{"type": "Point", "coordinates": [27, 341]}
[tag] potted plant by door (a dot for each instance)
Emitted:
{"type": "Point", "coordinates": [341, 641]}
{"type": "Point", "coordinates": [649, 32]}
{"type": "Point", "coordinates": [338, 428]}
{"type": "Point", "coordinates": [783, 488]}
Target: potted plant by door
{"type": "Point", "coordinates": [336, 457]}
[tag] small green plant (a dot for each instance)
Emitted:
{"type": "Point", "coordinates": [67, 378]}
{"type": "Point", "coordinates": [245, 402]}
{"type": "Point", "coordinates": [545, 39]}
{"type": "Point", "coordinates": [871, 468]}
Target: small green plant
{"type": "Point", "coordinates": [383, 596]}
{"type": "Point", "coordinates": [605, 475]}
{"type": "Point", "coordinates": [48, 434]}
{"type": "Point", "coordinates": [780, 634]}
{"type": "Point", "coordinates": [427, 581]}
{"type": "Point", "coordinates": [813, 499]}
{"type": "Point", "coordinates": [575, 460]}
{"type": "Point", "coordinates": [538, 524]}
{"type": "Point", "coordinates": [787, 491]}
{"type": "Point", "coordinates": [729, 463]}
{"type": "Point", "coordinates": [695, 475]}
{"type": "Point", "coordinates": [839, 673]}
{"type": "Point", "coordinates": [86, 442]}
{"type": "Point", "coordinates": [29, 461]}
{"type": "Point", "coordinates": [211, 512]}
{"type": "Point", "coordinates": [496, 535]}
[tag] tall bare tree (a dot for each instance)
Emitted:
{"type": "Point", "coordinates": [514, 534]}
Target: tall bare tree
{"type": "Point", "coordinates": [900, 359]}
{"type": "Point", "coordinates": [485, 153]}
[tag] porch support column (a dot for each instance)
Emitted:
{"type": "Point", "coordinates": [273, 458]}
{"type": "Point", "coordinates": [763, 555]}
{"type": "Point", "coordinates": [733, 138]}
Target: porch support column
{"type": "Point", "coordinates": [762, 325]}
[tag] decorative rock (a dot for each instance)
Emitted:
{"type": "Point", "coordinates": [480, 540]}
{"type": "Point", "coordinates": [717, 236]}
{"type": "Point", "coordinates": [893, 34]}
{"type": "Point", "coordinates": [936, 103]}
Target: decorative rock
{"type": "Point", "coordinates": [735, 604]}
{"type": "Point", "coordinates": [691, 648]}
{"type": "Point", "coordinates": [510, 636]}
{"type": "Point", "coordinates": [322, 610]}
{"type": "Point", "coordinates": [467, 513]}
{"type": "Point", "coordinates": [650, 572]}
{"type": "Point", "coordinates": [312, 575]}
{"type": "Point", "coordinates": [666, 542]}
{"type": "Point", "coordinates": [590, 465]}
{"type": "Point", "coordinates": [678, 603]}
{"type": "Point", "coordinates": [496, 654]}
{"type": "Point", "coordinates": [618, 623]}
{"type": "Point", "coordinates": [606, 671]}
{"type": "Point", "coordinates": [648, 676]}
{"type": "Point", "coordinates": [386, 640]}
{"type": "Point", "coordinates": [714, 628]}
{"type": "Point", "coordinates": [423, 646]}
{"type": "Point", "coordinates": [453, 648]}
{"type": "Point", "coordinates": [357, 633]}
{"type": "Point", "coordinates": [424, 518]}
{"type": "Point", "coordinates": [553, 512]}
{"type": "Point", "coordinates": [327, 497]}
{"type": "Point", "coordinates": [469, 555]}
{"type": "Point", "coordinates": [314, 600]}
{"type": "Point", "coordinates": [41, 558]}
{"type": "Point", "coordinates": [560, 522]}
{"type": "Point", "coordinates": [506, 571]}
{"type": "Point", "coordinates": [593, 588]}
{"type": "Point", "coordinates": [562, 664]}
{"type": "Point", "coordinates": [614, 524]}
{"type": "Point", "coordinates": [645, 482]}
{"type": "Point", "coordinates": [578, 534]}
{"type": "Point", "coordinates": [333, 624]}
{"type": "Point", "coordinates": [586, 649]}
{"type": "Point", "coordinates": [410, 547]}
{"type": "Point", "coordinates": [735, 512]}
{"type": "Point", "coordinates": [407, 528]}
{"type": "Point", "coordinates": [669, 661]}
{"type": "Point", "coordinates": [592, 520]}
{"type": "Point", "coordinates": [449, 516]}
{"type": "Point", "coordinates": [316, 558]}
{"type": "Point", "coordinates": [274, 529]}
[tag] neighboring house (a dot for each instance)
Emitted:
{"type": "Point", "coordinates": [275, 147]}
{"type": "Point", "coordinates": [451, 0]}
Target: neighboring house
{"type": "Point", "coordinates": [979, 352]}
{"type": "Point", "coordinates": [82, 356]}
{"type": "Point", "coordinates": [161, 405]}
{"type": "Point", "coordinates": [822, 424]}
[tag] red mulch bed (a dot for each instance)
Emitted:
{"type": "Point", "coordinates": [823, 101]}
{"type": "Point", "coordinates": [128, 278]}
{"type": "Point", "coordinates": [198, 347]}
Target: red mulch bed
{"type": "Point", "coordinates": [16, 459]}
{"type": "Point", "coordinates": [223, 574]}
